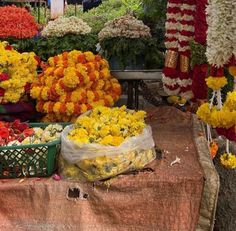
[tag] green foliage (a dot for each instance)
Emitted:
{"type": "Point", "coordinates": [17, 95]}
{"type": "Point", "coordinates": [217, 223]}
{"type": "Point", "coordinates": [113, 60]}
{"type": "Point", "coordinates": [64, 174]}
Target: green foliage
{"type": "Point", "coordinates": [47, 47]}
{"type": "Point", "coordinates": [126, 51]}
{"type": "Point", "coordinates": [198, 55]}
{"type": "Point", "coordinates": [108, 10]}
{"type": "Point", "coordinates": [153, 11]}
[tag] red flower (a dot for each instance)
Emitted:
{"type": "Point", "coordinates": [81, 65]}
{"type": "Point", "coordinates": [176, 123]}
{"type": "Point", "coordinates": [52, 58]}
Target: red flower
{"type": "Point", "coordinates": [27, 87]}
{"type": "Point", "coordinates": [8, 47]}
{"type": "Point", "coordinates": [4, 132]}
{"type": "Point", "coordinates": [28, 132]}
{"type": "Point", "coordinates": [4, 76]}
{"type": "Point", "coordinates": [16, 22]}
{"type": "Point", "coordinates": [20, 126]}
{"type": "Point", "coordinates": [37, 58]}
{"type": "Point", "coordinates": [2, 91]}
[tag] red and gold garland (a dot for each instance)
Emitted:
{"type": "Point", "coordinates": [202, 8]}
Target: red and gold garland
{"type": "Point", "coordinates": [177, 77]}
{"type": "Point", "coordinates": [73, 83]}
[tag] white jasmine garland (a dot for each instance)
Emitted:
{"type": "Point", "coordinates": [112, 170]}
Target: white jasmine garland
{"type": "Point", "coordinates": [126, 26]}
{"type": "Point", "coordinates": [220, 31]}
{"type": "Point", "coordinates": [62, 26]}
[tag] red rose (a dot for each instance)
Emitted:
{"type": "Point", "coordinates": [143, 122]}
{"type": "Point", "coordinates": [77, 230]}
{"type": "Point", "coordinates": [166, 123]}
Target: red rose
{"type": "Point", "coordinates": [4, 76]}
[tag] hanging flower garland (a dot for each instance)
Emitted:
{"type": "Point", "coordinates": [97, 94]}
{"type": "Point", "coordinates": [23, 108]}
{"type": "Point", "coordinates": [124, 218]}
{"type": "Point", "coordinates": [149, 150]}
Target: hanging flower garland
{"type": "Point", "coordinates": [220, 34]}
{"type": "Point", "coordinates": [179, 31]}
{"type": "Point", "coordinates": [73, 83]}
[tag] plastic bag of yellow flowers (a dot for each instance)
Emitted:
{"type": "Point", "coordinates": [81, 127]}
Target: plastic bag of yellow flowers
{"type": "Point", "coordinates": [106, 142]}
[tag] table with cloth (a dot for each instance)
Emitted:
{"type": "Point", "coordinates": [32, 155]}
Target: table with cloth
{"type": "Point", "coordinates": [161, 197]}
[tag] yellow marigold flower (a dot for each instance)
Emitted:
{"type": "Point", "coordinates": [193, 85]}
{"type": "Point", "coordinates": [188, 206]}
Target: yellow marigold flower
{"type": "Point", "coordinates": [46, 107]}
{"type": "Point", "coordinates": [107, 140]}
{"type": "Point", "coordinates": [70, 108]}
{"type": "Point", "coordinates": [204, 112]}
{"type": "Point", "coordinates": [90, 96]}
{"type": "Point", "coordinates": [44, 93]}
{"type": "Point", "coordinates": [216, 83]}
{"type": "Point", "coordinates": [35, 92]}
{"type": "Point", "coordinates": [76, 95]}
{"type": "Point", "coordinates": [228, 160]}
{"type": "Point", "coordinates": [59, 89]}
{"type": "Point", "coordinates": [56, 107]}
{"type": "Point", "coordinates": [230, 102]}
{"type": "Point", "coordinates": [89, 56]}
{"type": "Point", "coordinates": [105, 73]}
{"type": "Point", "coordinates": [232, 70]}
{"type": "Point", "coordinates": [83, 108]}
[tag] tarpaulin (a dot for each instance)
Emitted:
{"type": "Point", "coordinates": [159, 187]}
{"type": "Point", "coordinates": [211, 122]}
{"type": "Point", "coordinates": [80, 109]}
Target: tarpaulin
{"type": "Point", "coordinates": [163, 197]}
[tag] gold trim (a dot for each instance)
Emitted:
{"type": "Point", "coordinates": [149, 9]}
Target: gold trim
{"type": "Point", "coordinates": [171, 59]}
{"type": "Point", "coordinates": [184, 63]}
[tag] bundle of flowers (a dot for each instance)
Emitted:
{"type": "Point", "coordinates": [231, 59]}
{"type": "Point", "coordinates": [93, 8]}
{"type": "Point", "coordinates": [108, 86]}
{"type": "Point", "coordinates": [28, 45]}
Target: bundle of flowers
{"type": "Point", "coordinates": [17, 23]}
{"type": "Point", "coordinates": [17, 72]}
{"type": "Point", "coordinates": [105, 142]}
{"type": "Point", "coordinates": [62, 26]}
{"type": "Point", "coordinates": [73, 83]}
{"type": "Point", "coordinates": [17, 133]}
{"type": "Point", "coordinates": [126, 26]}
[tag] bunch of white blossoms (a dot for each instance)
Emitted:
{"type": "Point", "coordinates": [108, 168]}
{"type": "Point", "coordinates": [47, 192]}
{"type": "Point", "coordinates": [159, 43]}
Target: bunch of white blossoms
{"type": "Point", "coordinates": [62, 26]}
{"type": "Point", "coordinates": [126, 26]}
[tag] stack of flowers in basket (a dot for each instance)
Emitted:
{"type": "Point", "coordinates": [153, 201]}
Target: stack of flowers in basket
{"type": "Point", "coordinates": [17, 72]}
{"type": "Point", "coordinates": [16, 22]}
{"type": "Point", "coordinates": [17, 133]}
{"type": "Point", "coordinates": [72, 83]}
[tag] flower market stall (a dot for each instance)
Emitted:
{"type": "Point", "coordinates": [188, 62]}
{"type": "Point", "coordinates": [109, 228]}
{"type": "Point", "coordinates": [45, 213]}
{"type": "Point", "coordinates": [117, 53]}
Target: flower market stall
{"type": "Point", "coordinates": [74, 157]}
{"type": "Point", "coordinates": [173, 184]}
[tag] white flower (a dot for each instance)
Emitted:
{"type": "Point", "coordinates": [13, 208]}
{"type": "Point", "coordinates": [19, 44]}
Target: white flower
{"type": "Point", "coordinates": [126, 26]}
{"type": "Point", "coordinates": [14, 143]}
{"type": "Point", "coordinates": [220, 33]}
{"type": "Point", "coordinates": [62, 26]}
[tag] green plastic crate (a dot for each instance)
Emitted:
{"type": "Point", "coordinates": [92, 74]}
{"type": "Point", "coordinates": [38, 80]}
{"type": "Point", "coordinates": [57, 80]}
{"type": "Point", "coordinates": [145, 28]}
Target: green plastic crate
{"type": "Point", "coordinates": [35, 160]}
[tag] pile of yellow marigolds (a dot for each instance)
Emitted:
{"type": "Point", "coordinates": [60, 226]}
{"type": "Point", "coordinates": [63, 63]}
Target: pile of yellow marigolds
{"type": "Point", "coordinates": [108, 126]}
{"type": "Point", "coordinates": [17, 72]}
{"type": "Point", "coordinates": [73, 83]}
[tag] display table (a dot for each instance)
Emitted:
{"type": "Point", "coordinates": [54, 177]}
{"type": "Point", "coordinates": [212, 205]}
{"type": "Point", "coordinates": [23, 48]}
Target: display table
{"type": "Point", "coordinates": [133, 78]}
{"type": "Point", "coordinates": [160, 198]}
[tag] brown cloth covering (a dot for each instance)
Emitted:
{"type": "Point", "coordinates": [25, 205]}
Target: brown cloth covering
{"type": "Point", "coordinates": [167, 199]}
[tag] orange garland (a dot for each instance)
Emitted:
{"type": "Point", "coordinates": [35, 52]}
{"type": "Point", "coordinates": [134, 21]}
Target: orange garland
{"type": "Point", "coordinates": [73, 83]}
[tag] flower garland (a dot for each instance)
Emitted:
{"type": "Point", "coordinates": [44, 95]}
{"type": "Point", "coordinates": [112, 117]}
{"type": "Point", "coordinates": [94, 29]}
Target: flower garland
{"type": "Point", "coordinates": [73, 83]}
{"type": "Point", "coordinates": [220, 34]}
{"type": "Point", "coordinates": [62, 26]}
{"type": "Point", "coordinates": [198, 48]}
{"type": "Point", "coordinates": [16, 22]}
{"type": "Point", "coordinates": [17, 72]}
{"type": "Point", "coordinates": [179, 31]}
{"type": "Point", "coordinates": [126, 26]}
